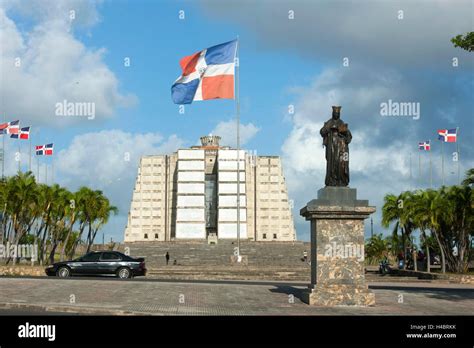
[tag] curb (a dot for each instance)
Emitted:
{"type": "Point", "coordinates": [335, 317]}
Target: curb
{"type": "Point", "coordinates": [73, 310]}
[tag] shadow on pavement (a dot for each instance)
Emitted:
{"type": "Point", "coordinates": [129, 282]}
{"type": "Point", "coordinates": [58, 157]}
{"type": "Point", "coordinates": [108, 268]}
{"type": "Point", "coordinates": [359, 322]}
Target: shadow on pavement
{"type": "Point", "coordinates": [452, 294]}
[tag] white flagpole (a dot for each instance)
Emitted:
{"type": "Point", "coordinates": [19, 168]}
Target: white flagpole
{"type": "Point", "coordinates": [419, 169]}
{"type": "Point", "coordinates": [29, 158]}
{"type": "Point", "coordinates": [410, 174]}
{"type": "Point", "coordinates": [237, 109]}
{"type": "Point", "coordinates": [431, 169]}
{"type": "Point", "coordinates": [38, 169]}
{"type": "Point", "coordinates": [3, 148]}
{"type": "Point", "coordinates": [459, 158]}
{"type": "Point", "coordinates": [442, 161]}
{"type": "Point", "coordinates": [19, 153]}
{"type": "Point", "coordinates": [52, 170]}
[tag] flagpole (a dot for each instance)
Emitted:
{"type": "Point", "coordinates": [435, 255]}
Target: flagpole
{"type": "Point", "coordinates": [237, 109]}
{"type": "Point", "coordinates": [457, 150]}
{"type": "Point", "coordinates": [52, 170]}
{"type": "Point", "coordinates": [29, 158]}
{"type": "Point", "coordinates": [419, 169]}
{"type": "Point", "coordinates": [442, 162]}
{"type": "Point", "coordinates": [410, 173]}
{"type": "Point", "coordinates": [46, 173]}
{"type": "Point", "coordinates": [19, 153]}
{"type": "Point", "coordinates": [431, 169]}
{"type": "Point", "coordinates": [38, 169]}
{"type": "Point", "coordinates": [3, 149]}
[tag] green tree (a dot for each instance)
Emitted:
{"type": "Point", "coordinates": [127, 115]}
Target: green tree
{"type": "Point", "coordinates": [50, 216]}
{"type": "Point", "coordinates": [376, 248]}
{"type": "Point", "coordinates": [469, 179]}
{"type": "Point", "coordinates": [395, 211]}
{"type": "Point", "coordinates": [466, 42]}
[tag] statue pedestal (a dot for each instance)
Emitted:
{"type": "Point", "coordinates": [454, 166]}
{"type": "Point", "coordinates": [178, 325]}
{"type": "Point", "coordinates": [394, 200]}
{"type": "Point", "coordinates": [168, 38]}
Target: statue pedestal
{"type": "Point", "coordinates": [337, 248]}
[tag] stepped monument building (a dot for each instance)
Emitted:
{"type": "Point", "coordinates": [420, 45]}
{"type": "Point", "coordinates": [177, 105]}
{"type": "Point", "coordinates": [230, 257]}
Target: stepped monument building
{"type": "Point", "coordinates": [192, 195]}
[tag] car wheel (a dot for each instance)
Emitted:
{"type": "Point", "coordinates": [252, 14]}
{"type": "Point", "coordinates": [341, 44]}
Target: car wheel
{"type": "Point", "coordinates": [124, 273]}
{"type": "Point", "coordinates": [63, 272]}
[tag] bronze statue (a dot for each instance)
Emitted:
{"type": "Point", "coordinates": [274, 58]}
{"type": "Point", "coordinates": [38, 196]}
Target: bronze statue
{"type": "Point", "coordinates": [336, 137]}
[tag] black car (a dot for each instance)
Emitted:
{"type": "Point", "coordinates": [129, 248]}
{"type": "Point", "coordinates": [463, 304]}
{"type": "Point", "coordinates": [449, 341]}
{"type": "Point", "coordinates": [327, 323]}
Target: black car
{"type": "Point", "coordinates": [99, 262]}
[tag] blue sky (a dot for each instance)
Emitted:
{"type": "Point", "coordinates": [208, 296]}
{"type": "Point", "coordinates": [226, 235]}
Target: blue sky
{"type": "Point", "coordinates": [283, 62]}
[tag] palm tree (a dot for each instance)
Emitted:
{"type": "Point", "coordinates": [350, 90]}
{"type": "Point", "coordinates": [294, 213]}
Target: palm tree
{"type": "Point", "coordinates": [469, 179]}
{"type": "Point", "coordinates": [101, 215]}
{"type": "Point", "coordinates": [376, 248]}
{"type": "Point", "coordinates": [460, 223]}
{"type": "Point", "coordinates": [394, 210]}
{"type": "Point", "coordinates": [71, 211]}
{"type": "Point", "coordinates": [45, 202]}
{"type": "Point", "coordinates": [420, 209]}
{"type": "Point", "coordinates": [61, 199]}
{"type": "Point", "coordinates": [88, 209]}
{"type": "Point", "coordinates": [47, 215]}
{"type": "Point", "coordinates": [406, 222]}
{"type": "Point", "coordinates": [21, 200]}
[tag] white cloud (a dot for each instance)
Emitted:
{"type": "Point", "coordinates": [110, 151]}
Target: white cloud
{"type": "Point", "coordinates": [227, 130]}
{"type": "Point", "coordinates": [54, 66]}
{"type": "Point", "coordinates": [76, 13]}
{"type": "Point", "coordinates": [109, 160]}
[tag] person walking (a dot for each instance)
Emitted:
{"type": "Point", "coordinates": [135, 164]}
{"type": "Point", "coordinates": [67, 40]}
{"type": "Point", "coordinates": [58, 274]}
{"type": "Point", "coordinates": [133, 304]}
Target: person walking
{"type": "Point", "coordinates": [167, 256]}
{"type": "Point", "coordinates": [305, 256]}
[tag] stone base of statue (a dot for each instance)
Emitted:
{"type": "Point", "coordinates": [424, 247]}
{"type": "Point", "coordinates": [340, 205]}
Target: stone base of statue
{"type": "Point", "coordinates": [337, 248]}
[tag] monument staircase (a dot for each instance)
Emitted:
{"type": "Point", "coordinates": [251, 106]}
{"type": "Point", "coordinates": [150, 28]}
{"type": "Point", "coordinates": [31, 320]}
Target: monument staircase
{"type": "Point", "coordinates": [266, 261]}
{"type": "Point", "coordinates": [200, 260]}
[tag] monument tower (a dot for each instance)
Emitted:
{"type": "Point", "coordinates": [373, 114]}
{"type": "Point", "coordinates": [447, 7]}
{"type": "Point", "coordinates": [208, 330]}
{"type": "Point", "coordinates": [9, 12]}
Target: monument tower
{"type": "Point", "coordinates": [192, 194]}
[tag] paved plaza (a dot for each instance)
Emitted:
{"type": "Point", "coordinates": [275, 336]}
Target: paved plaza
{"type": "Point", "coordinates": [166, 297]}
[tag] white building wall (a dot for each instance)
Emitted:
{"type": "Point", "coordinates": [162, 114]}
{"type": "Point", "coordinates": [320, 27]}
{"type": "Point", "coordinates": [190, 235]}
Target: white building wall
{"type": "Point", "coordinates": [190, 213]}
{"type": "Point", "coordinates": [227, 193]}
{"type": "Point", "coordinates": [146, 219]}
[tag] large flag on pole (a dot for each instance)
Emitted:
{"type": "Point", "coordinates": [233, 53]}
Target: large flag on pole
{"type": "Point", "coordinates": [24, 133]}
{"type": "Point", "coordinates": [44, 150]}
{"type": "Point", "coordinates": [208, 74]}
{"type": "Point", "coordinates": [447, 135]}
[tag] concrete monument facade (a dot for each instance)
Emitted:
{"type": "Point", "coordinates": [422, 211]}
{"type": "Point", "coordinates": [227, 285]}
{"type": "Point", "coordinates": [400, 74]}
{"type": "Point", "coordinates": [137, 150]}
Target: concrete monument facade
{"type": "Point", "coordinates": [192, 194]}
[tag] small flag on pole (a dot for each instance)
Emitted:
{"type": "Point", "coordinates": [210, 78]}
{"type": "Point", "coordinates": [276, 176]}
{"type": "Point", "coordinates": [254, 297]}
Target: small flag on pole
{"type": "Point", "coordinates": [207, 74]}
{"type": "Point", "coordinates": [425, 146]}
{"type": "Point", "coordinates": [24, 133]}
{"type": "Point", "coordinates": [447, 135]}
{"type": "Point", "coordinates": [12, 127]}
{"type": "Point", "coordinates": [44, 150]}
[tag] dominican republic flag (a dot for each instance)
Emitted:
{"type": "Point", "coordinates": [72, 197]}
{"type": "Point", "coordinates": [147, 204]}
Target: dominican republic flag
{"type": "Point", "coordinates": [10, 127]}
{"type": "Point", "coordinates": [24, 133]}
{"type": "Point", "coordinates": [447, 135]}
{"type": "Point", "coordinates": [208, 74]}
{"type": "Point", "coordinates": [425, 145]}
{"type": "Point", "coordinates": [44, 150]}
